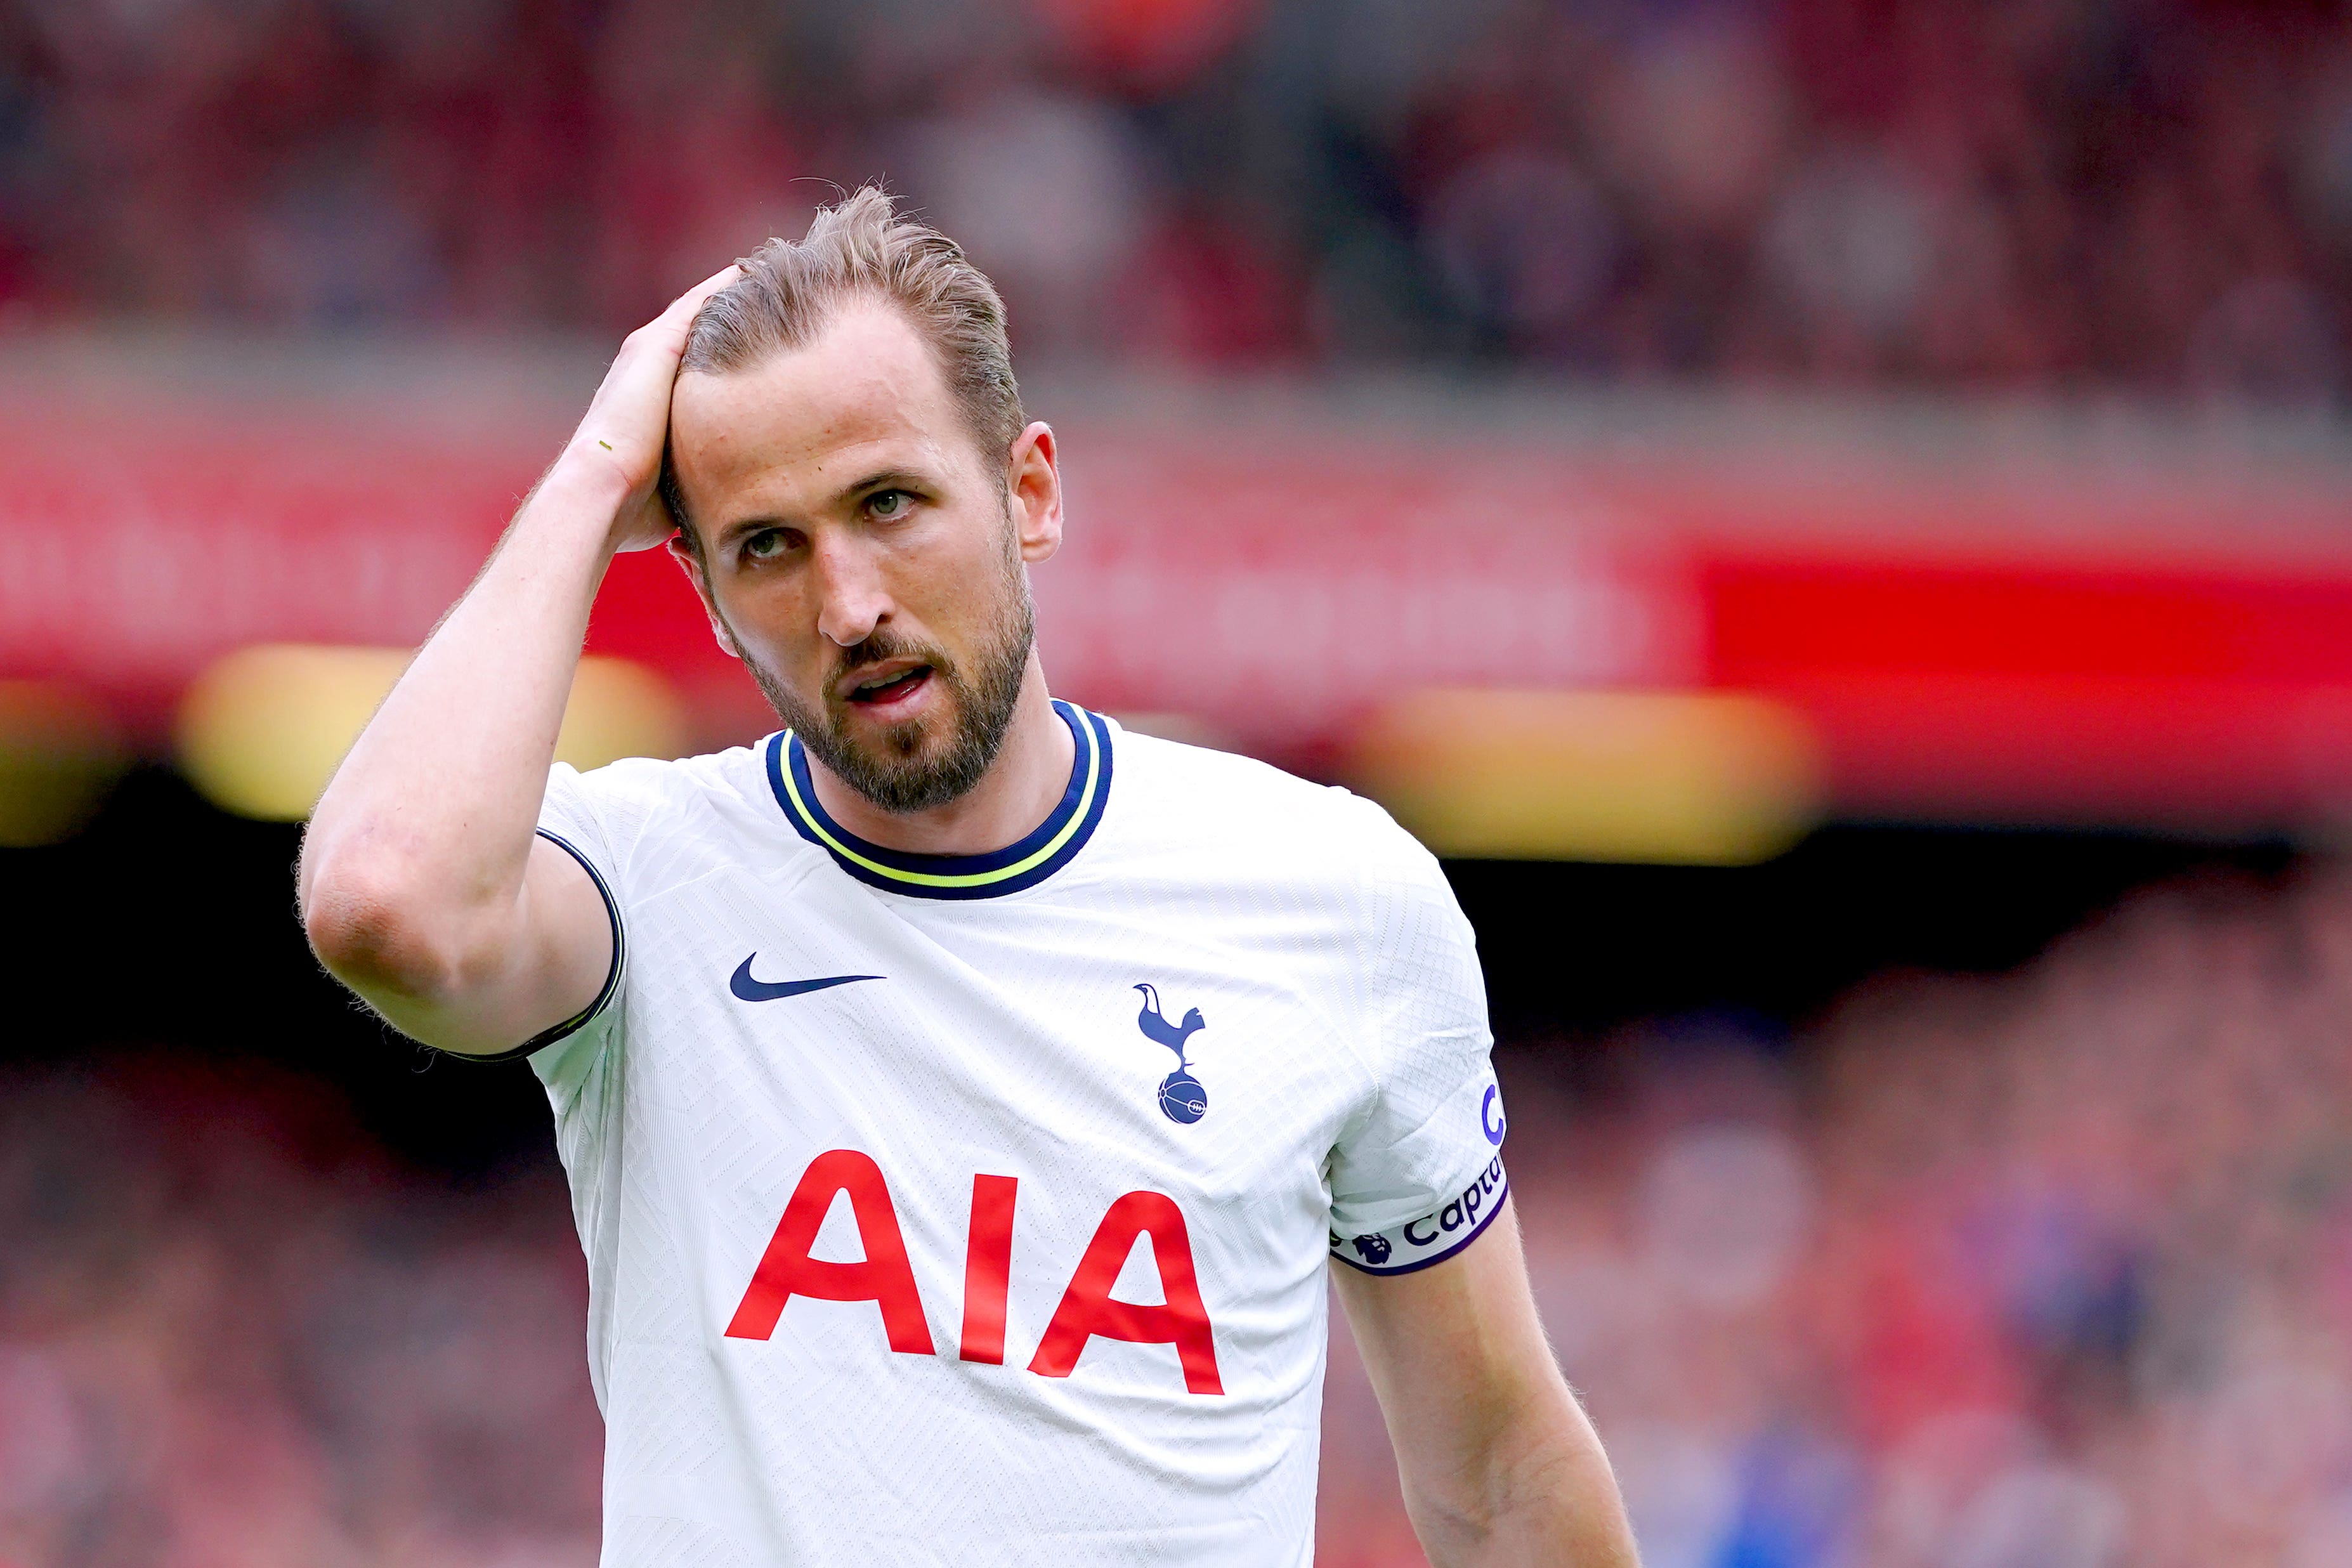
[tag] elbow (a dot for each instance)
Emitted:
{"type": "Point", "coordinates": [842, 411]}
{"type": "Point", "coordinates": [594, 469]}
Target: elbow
{"type": "Point", "coordinates": [369, 929]}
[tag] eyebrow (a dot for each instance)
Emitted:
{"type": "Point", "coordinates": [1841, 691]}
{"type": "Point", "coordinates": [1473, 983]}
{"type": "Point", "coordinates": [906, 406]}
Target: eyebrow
{"type": "Point", "coordinates": [885, 479]}
{"type": "Point", "coordinates": [881, 480]}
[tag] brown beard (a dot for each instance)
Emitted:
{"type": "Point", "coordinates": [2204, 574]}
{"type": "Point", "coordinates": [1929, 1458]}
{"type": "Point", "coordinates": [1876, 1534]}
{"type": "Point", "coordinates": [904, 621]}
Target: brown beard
{"type": "Point", "coordinates": [911, 772]}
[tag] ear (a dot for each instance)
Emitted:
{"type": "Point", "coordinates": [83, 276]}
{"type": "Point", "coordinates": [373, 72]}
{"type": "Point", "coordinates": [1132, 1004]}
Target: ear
{"type": "Point", "coordinates": [1035, 485]}
{"type": "Point", "coordinates": [688, 562]}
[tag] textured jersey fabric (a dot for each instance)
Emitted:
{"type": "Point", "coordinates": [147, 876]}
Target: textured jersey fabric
{"type": "Point", "coordinates": [975, 1210]}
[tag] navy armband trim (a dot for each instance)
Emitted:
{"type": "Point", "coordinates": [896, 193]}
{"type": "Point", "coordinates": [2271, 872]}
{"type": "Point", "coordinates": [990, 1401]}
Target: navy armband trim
{"type": "Point", "coordinates": [587, 1015]}
{"type": "Point", "coordinates": [1434, 1238]}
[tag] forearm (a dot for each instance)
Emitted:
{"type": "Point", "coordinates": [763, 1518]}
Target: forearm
{"type": "Point", "coordinates": [427, 825]}
{"type": "Point", "coordinates": [1499, 1463]}
{"type": "Point", "coordinates": [1542, 1494]}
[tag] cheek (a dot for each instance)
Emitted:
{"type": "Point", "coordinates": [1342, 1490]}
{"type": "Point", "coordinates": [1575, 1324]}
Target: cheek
{"type": "Point", "coordinates": [959, 582]}
{"type": "Point", "coordinates": [772, 619]}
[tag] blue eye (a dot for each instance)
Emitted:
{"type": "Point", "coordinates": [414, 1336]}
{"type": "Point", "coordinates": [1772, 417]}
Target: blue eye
{"type": "Point", "coordinates": [889, 504]}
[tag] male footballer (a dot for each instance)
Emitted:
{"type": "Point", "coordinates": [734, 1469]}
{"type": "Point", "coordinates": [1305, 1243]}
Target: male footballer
{"type": "Point", "coordinates": [960, 1094]}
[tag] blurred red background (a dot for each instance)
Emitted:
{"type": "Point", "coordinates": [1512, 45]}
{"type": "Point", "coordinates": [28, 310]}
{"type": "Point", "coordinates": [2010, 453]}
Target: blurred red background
{"type": "Point", "coordinates": [1834, 515]}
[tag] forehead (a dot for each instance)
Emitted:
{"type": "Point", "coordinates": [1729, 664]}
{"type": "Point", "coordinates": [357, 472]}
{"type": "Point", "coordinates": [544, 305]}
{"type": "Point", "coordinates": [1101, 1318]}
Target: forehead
{"type": "Point", "coordinates": [865, 395]}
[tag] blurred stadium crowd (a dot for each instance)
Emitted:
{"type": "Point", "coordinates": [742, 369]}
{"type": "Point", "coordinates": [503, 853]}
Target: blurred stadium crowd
{"type": "Point", "coordinates": [2045, 1270]}
{"type": "Point", "coordinates": [2009, 194]}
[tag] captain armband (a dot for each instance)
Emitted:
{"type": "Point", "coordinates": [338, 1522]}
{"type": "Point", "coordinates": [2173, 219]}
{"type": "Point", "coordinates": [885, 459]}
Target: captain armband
{"type": "Point", "coordinates": [1433, 1238]}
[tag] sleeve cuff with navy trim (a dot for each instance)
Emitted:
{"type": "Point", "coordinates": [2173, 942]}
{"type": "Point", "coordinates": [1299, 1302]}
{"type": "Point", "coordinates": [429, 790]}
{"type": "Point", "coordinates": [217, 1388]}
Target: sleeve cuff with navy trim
{"type": "Point", "coordinates": [587, 1015]}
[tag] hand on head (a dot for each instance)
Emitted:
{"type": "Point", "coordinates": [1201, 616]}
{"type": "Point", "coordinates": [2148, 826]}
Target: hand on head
{"type": "Point", "coordinates": [628, 424]}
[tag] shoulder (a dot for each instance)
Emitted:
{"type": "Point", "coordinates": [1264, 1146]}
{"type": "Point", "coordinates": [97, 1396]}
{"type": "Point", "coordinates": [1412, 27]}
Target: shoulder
{"type": "Point", "coordinates": [642, 801]}
{"type": "Point", "coordinates": [652, 781]}
{"type": "Point", "coordinates": [1197, 798]}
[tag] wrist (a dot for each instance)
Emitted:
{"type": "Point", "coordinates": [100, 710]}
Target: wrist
{"type": "Point", "coordinates": [587, 478]}
{"type": "Point", "coordinates": [582, 494]}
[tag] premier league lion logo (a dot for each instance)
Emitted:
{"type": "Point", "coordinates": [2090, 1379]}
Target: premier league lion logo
{"type": "Point", "coordinates": [1373, 1248]}
{"type": "Point", "coordinates": [1181, 1094]}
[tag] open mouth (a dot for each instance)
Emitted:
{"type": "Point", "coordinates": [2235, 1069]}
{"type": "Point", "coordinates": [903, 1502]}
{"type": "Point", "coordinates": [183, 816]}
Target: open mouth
{"type": "Point", "coordinates": [890, 690]}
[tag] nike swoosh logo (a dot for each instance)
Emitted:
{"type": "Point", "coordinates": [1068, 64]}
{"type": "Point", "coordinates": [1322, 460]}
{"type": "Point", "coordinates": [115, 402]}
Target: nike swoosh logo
{"type": "Point", "coordinates": [750, 990]}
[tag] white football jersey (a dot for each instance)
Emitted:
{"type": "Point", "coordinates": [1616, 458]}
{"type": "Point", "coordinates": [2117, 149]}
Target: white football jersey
{"type": "Point", "coordinates": [974, 1210]}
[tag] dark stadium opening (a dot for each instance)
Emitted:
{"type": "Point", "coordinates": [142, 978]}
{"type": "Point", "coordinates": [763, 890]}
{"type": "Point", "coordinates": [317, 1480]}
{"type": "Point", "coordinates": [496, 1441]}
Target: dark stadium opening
{"type": "Point", "coordinates": [169, 926]}
{"type": "Point", "coordinates": [1579, 950]}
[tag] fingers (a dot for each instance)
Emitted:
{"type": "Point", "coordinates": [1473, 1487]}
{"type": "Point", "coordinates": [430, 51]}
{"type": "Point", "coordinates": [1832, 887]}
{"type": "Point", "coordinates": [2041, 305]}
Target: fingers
{"type": "Point", "coordinates": [631, 408]}
{"type": "Point", "coordinates": [665, 334]}
{"type": "Point", "coordinates": [711, 285]}
{"type": "Point", "coordinates": [681, 310]}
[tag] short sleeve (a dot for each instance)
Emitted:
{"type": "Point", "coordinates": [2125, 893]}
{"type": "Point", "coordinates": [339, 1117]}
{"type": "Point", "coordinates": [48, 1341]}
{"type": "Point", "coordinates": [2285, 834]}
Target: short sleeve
{"type": "Point", "coordinates": [568, 818]}
{"type": "Point", "coordinates": [1418, 1174]}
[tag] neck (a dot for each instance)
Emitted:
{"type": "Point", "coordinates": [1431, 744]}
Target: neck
{"type": "Point", "coordinates": [1019, 790]}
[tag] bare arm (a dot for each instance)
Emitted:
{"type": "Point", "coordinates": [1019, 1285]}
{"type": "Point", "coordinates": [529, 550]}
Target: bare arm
{"type": "Point", "coordinates": [423, 886]}
{"type": "Point", "coordinates": [1500, 1465]}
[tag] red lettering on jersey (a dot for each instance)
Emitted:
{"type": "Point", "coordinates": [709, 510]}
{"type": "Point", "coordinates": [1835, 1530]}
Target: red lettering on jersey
{"type": "Point", "coordinates": [988, 1268]}
{"type": "Point", "coordinates": [787, 1270]}
{"type": "Point", "coordinates": [1088, 1310]}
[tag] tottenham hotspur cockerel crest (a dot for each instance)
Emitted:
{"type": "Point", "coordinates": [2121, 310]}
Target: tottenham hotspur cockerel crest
{"type": "Point", "coordinates": [1181, 1094]}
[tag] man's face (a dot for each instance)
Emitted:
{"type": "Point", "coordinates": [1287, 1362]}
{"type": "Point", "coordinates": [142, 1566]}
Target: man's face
{"type": "Point", "coordinates": [862, 555]}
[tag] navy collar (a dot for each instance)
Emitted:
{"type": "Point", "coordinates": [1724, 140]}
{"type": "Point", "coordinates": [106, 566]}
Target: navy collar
{"type": "Point", "coordinates": [1053, 844]}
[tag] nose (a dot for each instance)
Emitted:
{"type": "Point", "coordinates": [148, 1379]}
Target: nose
{"type": "Point", "coordinates": [852, 600]}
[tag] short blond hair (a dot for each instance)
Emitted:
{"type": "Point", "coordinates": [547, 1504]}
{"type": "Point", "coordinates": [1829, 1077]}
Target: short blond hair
{"type": "Point", "coordinates": [863, 247]}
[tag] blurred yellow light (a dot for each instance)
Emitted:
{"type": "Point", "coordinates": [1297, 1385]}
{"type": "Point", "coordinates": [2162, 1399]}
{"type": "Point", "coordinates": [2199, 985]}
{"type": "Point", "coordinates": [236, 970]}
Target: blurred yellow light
{"type": "Point", "coordinates": [59, 754]}
{"type": "Point", "coordinates": [1674, 778]}
{"type": "Point", "coordinates": [619, 709]}
{"type": "Point", "coordinates": [263, 729]}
